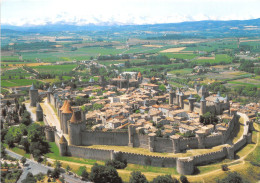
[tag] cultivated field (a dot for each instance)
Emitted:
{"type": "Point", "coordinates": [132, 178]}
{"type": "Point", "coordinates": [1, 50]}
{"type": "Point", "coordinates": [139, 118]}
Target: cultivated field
{"type": "Point", "coordinates": [172, 50]}
{"type": "Point", "coordinates": [153, 46]}
{"type": "Point", "coordinates": [55, 69]}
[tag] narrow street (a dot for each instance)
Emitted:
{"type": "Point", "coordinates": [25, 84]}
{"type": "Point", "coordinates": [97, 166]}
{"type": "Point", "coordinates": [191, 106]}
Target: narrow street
{"type": "Point", "coordinates": [50, 115]}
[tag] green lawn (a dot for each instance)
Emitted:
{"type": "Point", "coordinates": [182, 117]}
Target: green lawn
{"type": "Point", "coordinates": [18, 151]}
{"type": "Point", "coordinates": [57, 69]}
{"type": "Point", "coordinates": [181, 71]}
{"type": "Point", "coordinates": [180, 56]}
{"type": "Point", "coordinates": [218, 59]}
{"type": "Point", "coordinates": [14, 74]}
{"type": "Point", "coordinates": [244, 84]}
{"type": "Point", "coordinates": [18, 82]}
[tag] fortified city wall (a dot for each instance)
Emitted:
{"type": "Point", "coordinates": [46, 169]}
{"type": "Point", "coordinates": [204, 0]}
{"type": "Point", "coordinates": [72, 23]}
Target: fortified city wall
{"type": "Point", "coordinates": [155, 144]}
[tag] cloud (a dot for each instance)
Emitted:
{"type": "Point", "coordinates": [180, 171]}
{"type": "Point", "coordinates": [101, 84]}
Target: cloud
{"type": "Point", "coordinates": [121, 12]}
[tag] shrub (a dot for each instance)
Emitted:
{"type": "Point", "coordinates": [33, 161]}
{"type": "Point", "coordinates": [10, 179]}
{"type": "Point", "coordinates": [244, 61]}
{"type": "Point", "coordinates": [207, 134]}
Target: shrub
{"type": "Point", "coordinates": [119, 162]}
{"type": "Point", "coordinates": [233, 177]}
{"type": "Point", "coordinates": [164, 179]}
{"type": "Point", "coordinates": [224, 167]}
{"type": "Point", "coordinates": [137, 177]}
{"type": "Point", "coordinates": [104, 174]}
{"type": "Point", "coordinates": [184, 179]}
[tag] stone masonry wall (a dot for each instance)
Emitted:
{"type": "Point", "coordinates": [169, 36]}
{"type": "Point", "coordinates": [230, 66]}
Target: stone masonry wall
{"type": "Point", "coordinates": [163, 145]}
{"type": "Point", "coordinates": [104, 138]}
{"type": "Point", "coordinates": [209, 157]}
{"type": "Point", "coordinates": [141, 141]}
{"type": "Point", "coordinates": [240, 143]}
{"type": "Point", "coordinates": [188, 143]}
{"type": "Point", "coordinates": [149, 160]}
{"type": "Point", "coordinates": [213, 140]}
{"type": "Point", "coordinates": [89, 153]}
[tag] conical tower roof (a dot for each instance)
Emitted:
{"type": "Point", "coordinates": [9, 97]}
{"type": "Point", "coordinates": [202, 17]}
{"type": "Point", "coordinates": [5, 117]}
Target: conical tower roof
{"type": "Point", "coordinates": [38, 107]}
{"type": "Point", "coordinates": [139, 75]}
{"type": "Point", "coordinates": [218, 95]}
{"type": "Point", "coordinates": [76, 117]}
{"type": "Point", "coordinates": [64, 104]}
{"type": "Point", "coordinates": [217, 100]}
{"type": "Point", "coordinates": [202, 98]}
{"type": "Point", "coordinates": [67, 108]}
{"type": "Point", "coordinates": [73, 118]}
{"type": "Point", "coordinates": [33, 87]}
{"type": "Point", "coordinates": [153, 78]}
{"type": "Point", "coordinates": [49, 90]}
{"type": "Point", "coordinates": [226, 98]}
{"type": "Point", "coordinates": [191, 96]}
{"type": "Point", "coordinates": [62, 140]}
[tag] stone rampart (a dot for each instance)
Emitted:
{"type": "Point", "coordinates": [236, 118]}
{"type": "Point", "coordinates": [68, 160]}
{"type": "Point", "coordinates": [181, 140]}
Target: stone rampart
{"type": "Point", "coordinates": [213, 140]}
{"type": "Point", "coordinates": [163, 145]}
{"type": "Point", "coordinates": [210, 157]}
{"type": "Point", "coordinates": [239, 144]}
{"type": "Point", "coordinates": [187, 143]}
{"type": "Point", "coordinates": [104, 138]}
{"type": "Point", "coordinates": [140, 140]}
{"type": "Point", "coordinates": [230, 128]}
{"type": "Point", "coordinates": [57, 139]}
{"type": "Point", "coordinates": [142, 159]}
{"type": "Point", "coordinates": [89, 153]}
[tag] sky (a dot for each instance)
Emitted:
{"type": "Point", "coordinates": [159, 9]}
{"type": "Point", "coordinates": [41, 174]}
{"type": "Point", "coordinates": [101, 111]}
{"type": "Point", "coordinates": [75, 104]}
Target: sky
{"type": "Point", "coordinates": [124, 12]}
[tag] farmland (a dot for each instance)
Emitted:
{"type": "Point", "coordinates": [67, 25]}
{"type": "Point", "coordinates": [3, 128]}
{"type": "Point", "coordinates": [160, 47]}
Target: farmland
{"type": "Point", "coordinates": [18, 82]}
{"type": "Point", "coordinates": [57, 69]}
{"type": "Point", "coordinates": [221, 58]}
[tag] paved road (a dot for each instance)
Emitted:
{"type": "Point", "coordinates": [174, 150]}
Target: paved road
{"type": "Point", "coordinates": [35, 168]}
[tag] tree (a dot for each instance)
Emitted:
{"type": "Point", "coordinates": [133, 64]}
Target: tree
{"type": "Point", "coordinates": [26, 145]}
{"type": "Point", "coordinates": [184, 179]}
{"type": "Point", "coordinates": [36, 138]}
{"type": "Point", "coordinates": [84, 174]}
{"type": "Point", "coordinates": [23, 160]}
{"type": "Point", "coordinates": [100, 174]}
{"type": "Point", "coordinates": [137, 177]}
{"type": "Point", "coordinates": [62, 179]}
{"type": "Point", "coordinates": [68, 168]}
{"type": "Point", "coordinates": [39, 176]}
{"type": "Point", "coordinates": [44, 160]}
{"type": "Point", "coordinates": [23, 129]}
{"type": "Point", "coordinates": [49, 172]}
{"type": "Point", "coordinates": [3, 153]}
{"type": "Point", "coordinates": [224, 167]}
{"type": "Point", "coordinates": [119, 161]}
{"type": "Point", "coordinates": [29, 178]}
{"type": "Point", "coordinates": [82, 171]}
{"type": "Point", "coordinates": [208, 118]}
{"type": "Point", "coordinates": [3, 112]}
{"type": "Point", "coordinates": [162, 87]}
{"type": "Point", "coordinates": [164, 179]}
{"type": "Point", "coordinates": [57, 164]}
{"type": "Point", "coordinates": [127, 64]}
{"type": "Point", "coordinates": [13, 135]}
{"type": "Point", "coordinates": [232, 177]}
{"type": "Point", "coordinates": [97, 106]}
{"type": "Point", "coordinates": [55, 173]}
